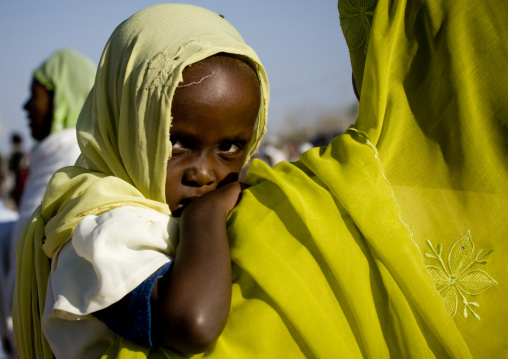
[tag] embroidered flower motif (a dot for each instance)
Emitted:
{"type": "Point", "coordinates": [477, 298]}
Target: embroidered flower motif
{"type": "Point", "coordinates": [355, 22]}
{"type": "Point", "coordinates": [456, 280]}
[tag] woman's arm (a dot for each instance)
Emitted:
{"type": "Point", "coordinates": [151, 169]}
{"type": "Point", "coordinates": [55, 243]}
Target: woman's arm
{"type": "Point", "coordinates": [190, 304]}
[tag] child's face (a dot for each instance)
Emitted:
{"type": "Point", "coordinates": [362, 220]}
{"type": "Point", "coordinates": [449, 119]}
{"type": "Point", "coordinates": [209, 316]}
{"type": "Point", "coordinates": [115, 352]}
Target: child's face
{"type": "Point", "coordinates": [214, 111]}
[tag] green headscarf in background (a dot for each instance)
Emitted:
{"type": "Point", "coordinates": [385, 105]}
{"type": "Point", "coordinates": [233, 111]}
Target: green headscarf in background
{"type": "Point", "coordinates": [70, 76]}
{"type": "Point", "coordinates": [123, 132]}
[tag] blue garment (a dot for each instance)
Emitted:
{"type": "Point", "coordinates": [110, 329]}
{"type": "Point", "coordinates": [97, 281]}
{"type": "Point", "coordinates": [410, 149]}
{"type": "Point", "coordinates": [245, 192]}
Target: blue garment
{"type": "Point", "coordinates": [130, 317]}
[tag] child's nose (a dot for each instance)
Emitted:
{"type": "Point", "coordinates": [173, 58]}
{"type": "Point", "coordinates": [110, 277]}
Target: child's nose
{"type": "Point", "coordinates": [201, 174]}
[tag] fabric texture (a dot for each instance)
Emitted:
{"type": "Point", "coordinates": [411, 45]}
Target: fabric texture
{"type": "Point", "coordinates": [123, 131]}
{"type": "Point", "coordinates": [433, 103]}
{"type": "Point", "coordinates": [70, 76]}
{"type": "Point", "coordinates": [111, 254]}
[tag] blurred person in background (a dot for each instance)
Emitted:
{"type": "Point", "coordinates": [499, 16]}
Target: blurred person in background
{"type": "Point", "coordinates": [18, 166]}
{"type": "Point", "coordinates": [58, 91]}
{"type": "Point", "coordinates": [7, 219]}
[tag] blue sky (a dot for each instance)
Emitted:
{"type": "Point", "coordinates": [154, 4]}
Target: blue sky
{"type": "Point", "coordinates": [299, 42]}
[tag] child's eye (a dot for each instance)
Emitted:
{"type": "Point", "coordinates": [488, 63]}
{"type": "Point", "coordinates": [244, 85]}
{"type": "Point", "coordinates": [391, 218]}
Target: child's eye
{"type": "Point", "coordinates": [230, 148]}
{"type": "Point", "coordinates": [176, 144]}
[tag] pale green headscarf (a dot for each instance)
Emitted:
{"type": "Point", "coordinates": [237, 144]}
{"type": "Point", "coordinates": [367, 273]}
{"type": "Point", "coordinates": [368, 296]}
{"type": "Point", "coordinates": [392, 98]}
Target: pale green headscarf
{"type": "Point", "coordinates": [123, 131]}
{"type": "Point", "coordinates": [70, 76]}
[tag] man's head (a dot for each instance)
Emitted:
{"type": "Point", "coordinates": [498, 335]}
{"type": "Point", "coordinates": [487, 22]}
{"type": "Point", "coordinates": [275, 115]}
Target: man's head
{"type": "Point", "coordinates": [59, 88]}
{"type": "Point", "coordinates": [39, 107]}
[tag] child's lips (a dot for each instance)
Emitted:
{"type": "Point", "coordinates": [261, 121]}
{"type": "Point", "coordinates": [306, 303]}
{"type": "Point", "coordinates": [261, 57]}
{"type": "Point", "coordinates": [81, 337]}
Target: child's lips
{"type": "Point", "coordinates": [182, 205]}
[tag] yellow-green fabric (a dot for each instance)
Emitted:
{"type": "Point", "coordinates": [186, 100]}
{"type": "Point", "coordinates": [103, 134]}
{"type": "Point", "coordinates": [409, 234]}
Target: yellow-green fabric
{"type": "Point", "coordinates": [70, 76]}
{"type": "Point", "coordinates": [123, 131]}
{"type": "Point", "coordinates": [433, 103]}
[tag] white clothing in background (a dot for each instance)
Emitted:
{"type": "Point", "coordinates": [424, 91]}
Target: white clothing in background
{"type": "Point", "coordinates": [59, 149]}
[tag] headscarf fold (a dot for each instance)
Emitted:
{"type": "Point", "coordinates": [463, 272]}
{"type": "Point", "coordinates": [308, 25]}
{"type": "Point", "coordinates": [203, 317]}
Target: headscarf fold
{"type": "Point", "coordinates": [123, 132]}
{"type": "Point", "coordinates": [70, 76]}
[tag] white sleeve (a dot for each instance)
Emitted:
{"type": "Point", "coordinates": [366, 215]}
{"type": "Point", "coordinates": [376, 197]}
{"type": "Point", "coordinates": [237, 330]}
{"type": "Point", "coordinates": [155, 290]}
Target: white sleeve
{"type": "Point", "coordinates": [108, 257]}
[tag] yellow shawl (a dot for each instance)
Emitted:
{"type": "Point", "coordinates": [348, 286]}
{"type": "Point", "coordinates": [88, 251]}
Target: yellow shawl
{"type": "Point", "coordinates": [123, 131]}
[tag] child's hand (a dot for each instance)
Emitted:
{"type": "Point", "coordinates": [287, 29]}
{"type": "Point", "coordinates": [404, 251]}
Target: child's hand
{"type": "Point", "coordinates": [218, 202]}
{"type": "Point", "coordinates": [191, 303]}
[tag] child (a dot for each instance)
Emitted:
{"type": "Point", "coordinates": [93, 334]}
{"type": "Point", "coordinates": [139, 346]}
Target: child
{"type": "Point", "coordinates": [175, 82]}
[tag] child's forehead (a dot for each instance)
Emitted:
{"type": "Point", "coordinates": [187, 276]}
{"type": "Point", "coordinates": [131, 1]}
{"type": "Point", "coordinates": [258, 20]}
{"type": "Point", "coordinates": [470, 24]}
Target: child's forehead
{"type": "Point", "coordinates": [223, 61]}
{"type": "Point", "coordinates": [219, 96]}
{"type": "Point", "coordinates": [214, 75]}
